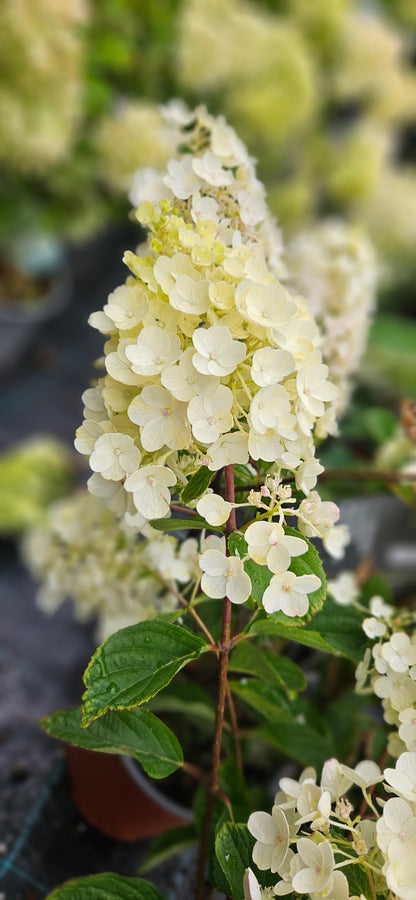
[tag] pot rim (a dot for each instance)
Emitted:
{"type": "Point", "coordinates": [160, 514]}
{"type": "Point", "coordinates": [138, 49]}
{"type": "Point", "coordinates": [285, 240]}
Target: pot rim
{"type": "Point", "coordinates": [155, 794]}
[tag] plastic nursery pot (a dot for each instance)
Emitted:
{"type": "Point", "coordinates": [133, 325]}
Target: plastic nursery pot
{"type": "Point", "coordinates": [112, 794]}
{"type": "Point", "coordinates": [20, 321]}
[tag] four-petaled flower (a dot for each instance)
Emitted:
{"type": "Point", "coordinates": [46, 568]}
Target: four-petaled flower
{"type": "Point", "coordinates": [224, 576]}
{"type": "Point", "coordinates": [289, 593]}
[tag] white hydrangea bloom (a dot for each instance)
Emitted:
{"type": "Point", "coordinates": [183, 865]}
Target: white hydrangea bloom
{"type": "Point", "coordinates": [127, 305]}
{"type": "Point", "coordinates": [270, 366]}
{"type": "Point", "coordinates": [289, 593]}
{"type": "Point", "coordinates": [403, 777]}
{"type": "Point", "coordinates": [209, 355]}
{"type": "Point", "coordinates": [214, 509]}
{"type": "Point", "coordinates": [217, 352]}
{"type": "Point", "coordinates": [269, 545]}
{"type": "Point", "coordinates": [224, 576]}
{"type": "Point", "coordinates": [272, 838]}
{"type": "Point", "coordinates": [150, 488]}
{"type": "Point", "coordinates": [210, 414]}
{"type": "Point", "coordinates": [162, 419]}
{"type": "Point", "coordinates": [318, 861]}
{"type": "Point", "coordinates": [115, 456]}
{"type": "Point", "coordinates": [153, 351]}
{"type": "Point", "coordinates": [344, 588]}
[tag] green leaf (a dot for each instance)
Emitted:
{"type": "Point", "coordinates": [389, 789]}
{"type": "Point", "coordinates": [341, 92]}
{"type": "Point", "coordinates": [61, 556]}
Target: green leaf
{"type": "Point", "coordinates": [136, 732]}
{"type": "Point", "coordinates": [266, 699]}
{"type": "Point", "coordinates": [357, 881]}
{"type": "Point", "coordinates": [269, 626]}
{"type": "Point", "coordinates": [168, 844]}
{"type": "Point", "coordinates": [234, 847]}
{"type": "Point", "coordinates": [183, 524]}
{"type": "Point", "coordinates": [106, 886]}
{"type": "Point", "coordinates": [184, 698]}
{"type": "Point", "coordinates": [341, 628]}
{"type": "Point", "coordinates": [297, 741]}
{"type": "Point", "coordinates": [270, 667]}
{"type": "Point", "coordinates": [135, 663]}
{"type": "Point", "coordinates": [307, 564]}
{"type": "Point", "coordinates": [390, 359]}
{"type": "Point", "coordinates": [335, 629]}
{"type": "Point", "coordinates": [197, 484]}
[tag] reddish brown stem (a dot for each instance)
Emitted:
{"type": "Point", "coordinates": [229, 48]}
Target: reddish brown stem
{"type": "Point", "coordinates": [219, 719]}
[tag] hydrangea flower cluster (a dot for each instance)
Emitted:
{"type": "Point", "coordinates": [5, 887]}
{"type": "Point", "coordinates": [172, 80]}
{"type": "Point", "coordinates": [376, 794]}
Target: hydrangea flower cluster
{"type": "Point", "coordinates": [313, 833]}
{"type": "Point", "coordinates": [340, 81]}
{"type": "Point", "coordinates": [41, 94]}
{"type": "Point", "coordinates": [269, 545]}
{"type": "Point", "coordinates": [389, 670]}
{"type": "Point", "coordinates": [334, 265]}
{"type": "Point", "coordinates": [81, 552]}
{"type": "Point", "coordinates": [209, 359]}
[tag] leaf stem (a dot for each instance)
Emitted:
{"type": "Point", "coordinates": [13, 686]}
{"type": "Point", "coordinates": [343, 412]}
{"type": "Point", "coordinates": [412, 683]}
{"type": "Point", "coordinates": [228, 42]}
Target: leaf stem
{"type": "Point", "coordinates": [188, 608]}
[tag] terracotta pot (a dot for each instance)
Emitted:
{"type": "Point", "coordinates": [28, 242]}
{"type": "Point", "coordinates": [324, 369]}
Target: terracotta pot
{"type": "Point", "coordinates": [112, 794]}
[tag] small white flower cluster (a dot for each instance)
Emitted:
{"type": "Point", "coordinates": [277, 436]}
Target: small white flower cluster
{"type": "Point", "coordinates": [310, 862]}
{"type": "Point", "coordinates": [334, 266]}
{"type": "Point", "coordinates": [389, 669]}
{"type": "Point", "coordinates": [269, 545]}
{"type": "Point", "coordinates": [81, 552]}
{"type": "Point", "coordinates": [209, 359]}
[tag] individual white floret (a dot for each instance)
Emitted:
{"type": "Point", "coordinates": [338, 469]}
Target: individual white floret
{"type": "Point", "coordinates": [270, 366]}
{"type": "Point", "coordinates": [230, 448]}
{"type": "Point", "coordinates": [251, 886]}
{"type": "Point", "coordinates": [153, 351]}
{"type": "Point", "coordinates": [272, 838]}
{"type": "Point", "coordinates": [307, 474]}
{"type": "Point", "coordinates": [407, 729]}
{"type": "Point", "coordinates": [318, 861]}
{"type": "Point", "coordinates": [344, 588]}
{"type": "Point", "coordinates": [289, 593]}
{"type": "Point", "coordinates": [162, 419]}
{"type": "Point", "coordinates": [214, 509]}
{"type": "Point", "coordinates": [365, 773]}
{"type": "Point", "coordinates": [88, 433]}
{"type": "Point", "coordinates": [269, 545]}
{"type": "Point", "coordinates": [334, 780]}
{"type": "Point", "coordinates": [210, 414]}
{"type": "Point", "coordinates": [147, 185]}
{"type": "Point", "coordinates": [268, 305]}
{"type": "Point", "coordinates": [398, 820]}
{"type": "Point", "coordinates": [101, 322]}
{"type": "Point", "coordinates": [314, 389]}
{"type": "Point", "coordinates": [150, 488]}
{"type": "Point", "coordinates": [181, 178]}
{"type": "Point", "coordinates": [217, 352]}
{"type": "Point", "coordinates": [271, 408]}
{"type": "Point", "coordinates": [224, 576]}
{"type": "Point", "coordinates": [400, 868]}
{"type": "Point", "coordinates": [184, 381]}
{"type": "Point", "coordinates": [126, 306]}
{"type": "Point", "coordinates": [403, 777]}
{"type": "Point", "coordinates": [336, 540]}
{"type": "Point", "coordinates": [399, 652]}
{"type": "Point", "coordinates": [209, 168]}
{"type": "Point", "coordinates": [397, 688]}
{"type": "Point", "coordinates": [265, 446]}
{"type": "Point", "coordinates": [115, 456]}
{"type": "Point", "coordinates": [94, 406]}
{"type": "Point", "coordinates": [373, 628]}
